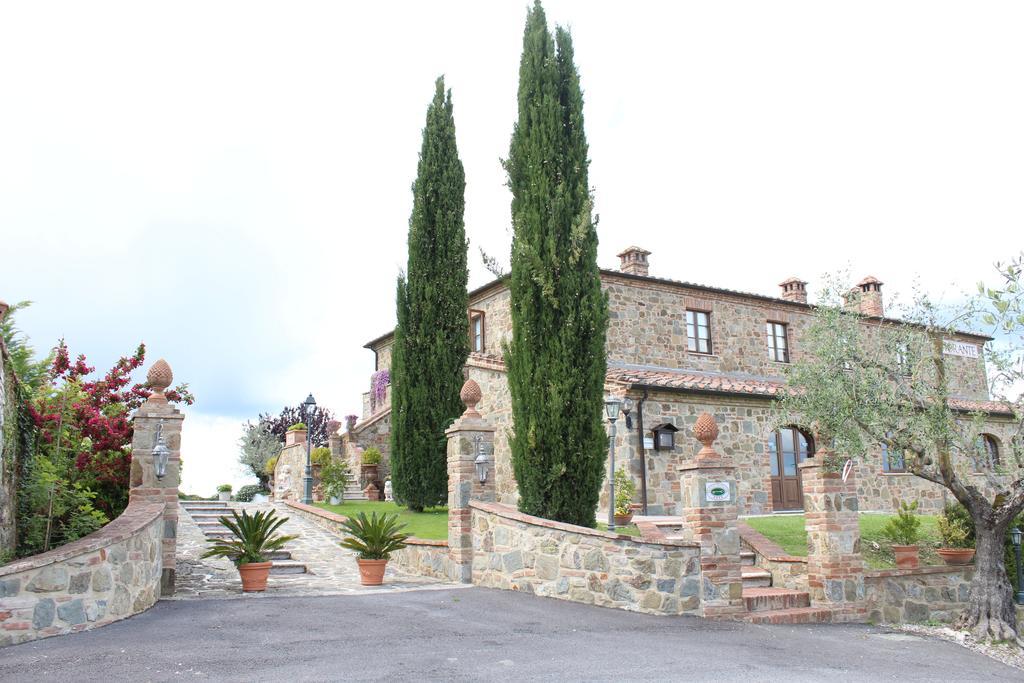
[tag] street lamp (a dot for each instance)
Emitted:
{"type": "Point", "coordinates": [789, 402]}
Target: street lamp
{"type": "Point", "coordinates": [160, 452]}
{"type": "Point", "coordinates": [308, 406]}
{"type": "Point", "coordinates": [1015, 537]}
{"type": "Point", "coordinates": [612, 406]}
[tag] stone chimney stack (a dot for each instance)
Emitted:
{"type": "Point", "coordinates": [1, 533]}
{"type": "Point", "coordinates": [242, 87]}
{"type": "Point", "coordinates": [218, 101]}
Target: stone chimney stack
{"type": "Point", "coordinates": [634, 261]}
{"type": "Point", "coordinates": [794, 289]}
{"type": "Point", "coordinates": [871, 297]}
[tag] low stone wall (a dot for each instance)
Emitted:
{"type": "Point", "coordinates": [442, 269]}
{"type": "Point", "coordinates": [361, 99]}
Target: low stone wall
{"type": "Point", "coordinates": [917, 595]}
{"type": "Point", "coordinates": [103, 577]}
{"type": "Point", "coordinates": [427, 558]}
{"type": "Point", "coordinates": [423, 556]}
{"type": "Point", "coordinates": [514, 551]}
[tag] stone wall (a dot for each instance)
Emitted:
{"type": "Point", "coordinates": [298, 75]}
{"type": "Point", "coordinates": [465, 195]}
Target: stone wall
{"type": "Point", "coordinates": [290, 472]}
{"type": "Point", "coordinates": [106, 576]}
{"type": "Point", "coordinates": [917, 595]}
{"type": "Point", "coordinates": [372, 433]}
{"type": "Point", "coordinates": [422, 556]}
{"type": "Point", "coordinates": [514, 551]}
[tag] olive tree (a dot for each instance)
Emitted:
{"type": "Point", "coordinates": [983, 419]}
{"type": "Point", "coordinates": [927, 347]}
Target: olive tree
{"type": "Point", "coordinates": [865, 381]}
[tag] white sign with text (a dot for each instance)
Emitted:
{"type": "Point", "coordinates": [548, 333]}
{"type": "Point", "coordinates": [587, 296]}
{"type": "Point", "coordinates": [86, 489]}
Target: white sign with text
{"type": "Point", "coordinates": [962, 349]}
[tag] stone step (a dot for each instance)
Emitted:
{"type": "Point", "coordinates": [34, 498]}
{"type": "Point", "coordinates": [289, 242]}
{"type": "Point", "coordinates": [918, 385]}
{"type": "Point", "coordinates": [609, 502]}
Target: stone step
{"type": "Point", "coordinates": [217, 512]}
{"type": "Point", "coordinates": [209, 516]}
{"type": "Point", "coordinates": [774, 599]}
{"type": "Point", "coordinates": [755, 577]}
{"type": "Point", "coordinates": [188, 504]}
{"type": "Point", "coordinates": [799, 615]}
{"type": "Point", "coordinates": [747, 557]}
{"type": "Point", "coordinates": [287, 567]}
{"type": "Point", "coordinates": [278, 555]}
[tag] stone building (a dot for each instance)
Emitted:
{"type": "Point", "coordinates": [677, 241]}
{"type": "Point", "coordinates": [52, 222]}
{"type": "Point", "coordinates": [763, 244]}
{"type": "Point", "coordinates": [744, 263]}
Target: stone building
{"type": "Point", "coordinates": [679, 349]}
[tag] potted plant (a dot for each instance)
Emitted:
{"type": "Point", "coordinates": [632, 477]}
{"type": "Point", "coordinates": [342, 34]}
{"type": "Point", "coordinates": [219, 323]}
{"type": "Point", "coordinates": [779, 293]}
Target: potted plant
{"type": "Point", "coordinates": [254, 538]}
{"type": "Point", "coordinates": [370, 463]}
{"type": "Point", "coordinates": [373, 538]}
{"type": "Point", "coordinates": [334, 477]}
{"type": "Point", "coordinates": [904, 530]}
{"type": "Point", "coordinates": [224, 492]}
{"type": "Point", "coordinates": [295, 434]}
{"type": "Point", "coordinates": [625, 489]}
{"type": "Point", "coordinates": [350, 422]}
{"type": "Point", "coordinates": [957, 534]}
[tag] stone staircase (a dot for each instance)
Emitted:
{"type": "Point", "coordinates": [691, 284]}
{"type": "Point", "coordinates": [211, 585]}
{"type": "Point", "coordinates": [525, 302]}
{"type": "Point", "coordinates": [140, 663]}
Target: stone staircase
{"type": "Point", "coordinates": [207, 513]}
{"type": "Point", "coordinates": [353, 491]}
{"type": "Point", "coordinates": [768, 605]}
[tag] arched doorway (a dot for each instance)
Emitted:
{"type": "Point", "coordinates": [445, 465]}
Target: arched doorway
{"type": "Point", "coordinates": [787, 448]}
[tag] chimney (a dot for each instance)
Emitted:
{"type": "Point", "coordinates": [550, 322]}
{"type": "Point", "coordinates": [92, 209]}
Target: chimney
{"type": "Point", "coordinates": [794, 289]}
{"type": "Point", "coordinates": [634, 261]}
{"type": "Point", "coordinates": [870, 289]}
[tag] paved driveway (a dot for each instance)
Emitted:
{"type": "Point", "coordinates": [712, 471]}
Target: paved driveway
{"type": "Point", "coordinates": [474, 634]}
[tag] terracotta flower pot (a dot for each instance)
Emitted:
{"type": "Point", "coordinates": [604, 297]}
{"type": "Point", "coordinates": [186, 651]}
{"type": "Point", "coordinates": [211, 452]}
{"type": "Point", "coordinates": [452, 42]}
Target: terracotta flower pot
{"type": "Point", "coordinates": [623, 520]}
{"type": "Point", "coordinates": [906, 556]}
{"type": "Point", "coordinates": [956, 556]}
{"type": "Point", "coordinates": [254, 576]}
{"type": "Point", "coordinates": [371, 572]}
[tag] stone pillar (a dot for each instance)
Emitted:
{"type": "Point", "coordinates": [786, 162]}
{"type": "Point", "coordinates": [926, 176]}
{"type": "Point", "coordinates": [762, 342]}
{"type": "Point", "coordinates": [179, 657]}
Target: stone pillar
{"type": "Point", "coordinates": [835, 569]}
{"type": "Point", "coordinates": [145, 487]}
{"type": "Point", "coordinates": [709, 510]}
{"type": "Point", "coordinates": [467, 437]}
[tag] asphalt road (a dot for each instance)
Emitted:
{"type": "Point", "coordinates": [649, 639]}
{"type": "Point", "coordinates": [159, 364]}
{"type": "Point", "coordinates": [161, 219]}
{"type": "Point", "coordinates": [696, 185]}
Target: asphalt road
{"type": "Point", "coordinates": [473, 634]}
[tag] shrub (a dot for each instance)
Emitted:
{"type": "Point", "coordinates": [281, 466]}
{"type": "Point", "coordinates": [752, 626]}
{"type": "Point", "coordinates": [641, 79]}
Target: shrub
{"type": "Point", "coordinates": [320, 456]}
{"type": "Point", "coordinates": [271, 464]}
{"type": "Point", "coordinates": [955, 527]}
{"type": "Point", "coordinates": [374, 537]}
{"type": "Point", "coordinates": [248, 492]}
{"type": "Point", "coordinates": [297, 426]}
{"type": "Point", "coordinates": [625, 489]}
{"type": "Point", "coordinates": [371, 456]}
{"type": "Point", "coordinates": [224, 488]}
{"type": "Point", "coordinates": [334, 477]}
{"type": "Point", "coordinates": [905, 527]}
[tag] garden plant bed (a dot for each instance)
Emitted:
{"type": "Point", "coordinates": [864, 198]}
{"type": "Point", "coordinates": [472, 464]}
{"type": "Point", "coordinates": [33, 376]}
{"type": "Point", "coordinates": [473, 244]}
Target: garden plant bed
{"type": "Point", "coordinates": [430, 524]}
{"type": "Point", "coordinates": [788, 531]}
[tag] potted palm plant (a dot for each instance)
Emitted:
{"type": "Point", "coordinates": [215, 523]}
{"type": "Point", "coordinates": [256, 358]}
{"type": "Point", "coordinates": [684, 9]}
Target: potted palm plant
{"type": "Point", "coordinates": [373, 538]}
{"type": "Point", "coordinates": [957, 534]}
{"type": "Point", "coordinates": [254, 539]}
{"type": "Point", "coordinates": [625, 489]}
{"type": "Point", "coordinates": [904, 530]}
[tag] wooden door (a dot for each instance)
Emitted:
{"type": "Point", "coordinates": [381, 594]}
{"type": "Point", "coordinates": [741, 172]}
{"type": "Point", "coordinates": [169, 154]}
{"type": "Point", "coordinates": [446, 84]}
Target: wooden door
{"type": "Point", "coordinates": [786, 449]}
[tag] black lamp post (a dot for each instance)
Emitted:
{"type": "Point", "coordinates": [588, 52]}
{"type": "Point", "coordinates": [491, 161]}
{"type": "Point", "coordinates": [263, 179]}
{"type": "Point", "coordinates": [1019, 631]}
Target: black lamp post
{"type": "Point", "coordinates": [1015, 538]}
{"type": "Point", "coordinates": [612, 406]}
{"type": "Point", "coordinates": [308, 406]}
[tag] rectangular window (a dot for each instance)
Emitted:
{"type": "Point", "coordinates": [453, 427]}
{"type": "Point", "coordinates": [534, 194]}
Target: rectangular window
{"type": "Point", "coordinates": [892, 462]}
{"type": "Point", "coordinates": [698, 331]}
{"type": "Point", "coordinates": [476, 331]}
{"type": "Point", "coordinates": [778, 345]}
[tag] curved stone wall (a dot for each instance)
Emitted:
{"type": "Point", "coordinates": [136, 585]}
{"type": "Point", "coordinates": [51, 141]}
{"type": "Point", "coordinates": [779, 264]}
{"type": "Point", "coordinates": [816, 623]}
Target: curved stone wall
{"type": "Point", "coordinates": [104, 577]}
{"type": "Point", "coordinates": [515, 551]}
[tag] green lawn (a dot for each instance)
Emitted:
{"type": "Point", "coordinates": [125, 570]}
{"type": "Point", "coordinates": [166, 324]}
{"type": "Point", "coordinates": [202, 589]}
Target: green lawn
{"type": "Point", "coordinates": [788, 531]}
{"type": "Point", "coordinates": [628, 530]}
{"type": "Point", "coordinates": [430, 524]}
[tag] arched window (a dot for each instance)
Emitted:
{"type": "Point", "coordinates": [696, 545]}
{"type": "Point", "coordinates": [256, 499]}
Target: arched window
{"type": "Point", "coordinates": [893, 462]}
{"type": "Point", "coordinates": [986, 452]}
{"type": "Point", "coordinates": [787, 448]}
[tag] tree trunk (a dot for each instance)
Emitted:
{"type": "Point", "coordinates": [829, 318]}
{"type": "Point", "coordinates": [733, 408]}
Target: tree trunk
{"type": "Point", "coordinates": [991, 612]}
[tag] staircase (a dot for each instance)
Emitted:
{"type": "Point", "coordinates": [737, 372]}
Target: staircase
{"type": "Point", "coordinates": [207, 513]}
{"type": "Point", "coordinates": [353, 491]}
{"type": "Point", "coordinates": [768, 605]}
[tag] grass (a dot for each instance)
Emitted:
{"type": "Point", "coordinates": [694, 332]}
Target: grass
{"type": "Point", "coordinates": [431, 524]}
{"type": "Point", "coordinates": [628, 530]}
{"type": "Point", "coordinates": [788, 531]}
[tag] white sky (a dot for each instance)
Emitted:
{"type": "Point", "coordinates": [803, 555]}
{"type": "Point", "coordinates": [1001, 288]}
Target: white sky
{"type": "Point", "coordinates": [229, 182]}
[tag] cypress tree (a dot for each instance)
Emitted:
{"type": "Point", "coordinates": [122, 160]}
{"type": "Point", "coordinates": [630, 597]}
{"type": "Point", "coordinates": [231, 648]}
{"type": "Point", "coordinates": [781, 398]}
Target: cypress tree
{"type": "Point", "coordinates": [556, 358]}
{"type": "Point", "coordinates": [431, 338]}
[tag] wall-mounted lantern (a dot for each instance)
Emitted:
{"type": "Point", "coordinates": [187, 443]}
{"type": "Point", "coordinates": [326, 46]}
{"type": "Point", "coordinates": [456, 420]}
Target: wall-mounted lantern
{"type": "Point", "coordinates": [481, 462]}
{"type": "Point", "coordinates": [665, 436]}
{"type": "Point", "coordinates": [160, 452]}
